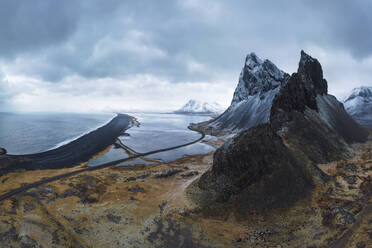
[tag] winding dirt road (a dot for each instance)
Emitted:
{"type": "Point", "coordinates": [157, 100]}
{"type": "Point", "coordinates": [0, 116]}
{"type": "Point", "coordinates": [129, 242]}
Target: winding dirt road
{"type": "Point", "coordinates": [98, 167]}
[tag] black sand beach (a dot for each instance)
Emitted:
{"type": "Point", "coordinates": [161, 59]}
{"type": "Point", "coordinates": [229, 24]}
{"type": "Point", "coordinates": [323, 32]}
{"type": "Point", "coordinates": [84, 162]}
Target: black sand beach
{"type": "Point", "coordinates": [71, 154]}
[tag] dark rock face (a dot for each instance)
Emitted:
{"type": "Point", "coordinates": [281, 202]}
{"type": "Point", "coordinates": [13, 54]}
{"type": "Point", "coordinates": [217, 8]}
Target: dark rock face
{"type": "Point", "coordinates": [314, 122]}
{"type": "Point", "coordinates": [295, 96]}
{"type": "Point", "coordinates": [307, 134]}
{"type": "Point", "coordinates": [311, 74]}
{"type": "Point", "coordinates": [302, 88]}
{"type": "Point", "coordinates": [272, 165]}
{"type": "Point", "coordinates": [307, 89]}
{"type": "Point", "coordinates": [335, 115]}
{"type": "Point", "coordinates": [258, 170]}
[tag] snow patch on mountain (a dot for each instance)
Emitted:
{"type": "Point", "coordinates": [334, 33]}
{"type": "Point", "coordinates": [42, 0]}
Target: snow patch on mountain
{"type": "Point", "coordinates": [259, 82]}
{"type": "Point", "coordinates": [254, 110]}
{"type": "Point", "coordinates": [257, 78]}
{"type": "Point", "coordinates": [199, 107]}
{"type": "Point", "coordinates": [359, 105]}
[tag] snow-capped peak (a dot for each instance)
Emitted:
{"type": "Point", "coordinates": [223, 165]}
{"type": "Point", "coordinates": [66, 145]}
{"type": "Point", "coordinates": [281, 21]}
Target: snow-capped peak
{"type": "Point", "coordinates": [199, 107]}
{"type": "Point", "coordinates": [252, 61]}
{"type": "Point", "coordinates": [257, 77]}
{"type": "Point", "coordinates": [359, 104]}
{"type": "Point", "coordinates": [363, 92]}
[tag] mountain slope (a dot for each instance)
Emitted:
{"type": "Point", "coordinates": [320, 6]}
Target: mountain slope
{"type": "Point", "coordinates": [198, 107]}
{"type": "Point", "coordinates": [359, 105]}
{"type": "Point", "coordinates": [273, 164]}
{"type": "Point", "coordinates": [259, 82]}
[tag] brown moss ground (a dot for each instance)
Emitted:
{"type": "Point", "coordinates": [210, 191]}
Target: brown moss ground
{"type": "Point", "coordinates": [132, 207]}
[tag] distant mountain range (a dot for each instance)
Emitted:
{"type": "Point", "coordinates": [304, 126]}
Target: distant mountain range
{"type": "Point", "coordinates": [199, 107]}
{"type": "Point", "coordinates": [359, 105]}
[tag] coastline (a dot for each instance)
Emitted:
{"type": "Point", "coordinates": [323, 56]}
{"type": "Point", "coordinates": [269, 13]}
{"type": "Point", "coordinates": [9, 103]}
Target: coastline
{"type": "Point", "coordinates": [67, 141]}
{"type": "Point", "coordinates": [158, 206]}
{"type": "Point", "coordinates": [74, 153]}
{"type": "Point", "coordinates": [83, 168]}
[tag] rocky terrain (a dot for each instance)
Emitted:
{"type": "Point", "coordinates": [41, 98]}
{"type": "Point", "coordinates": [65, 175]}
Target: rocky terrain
{"type": "Point", "coordinates": [275, 164]}
{"type": "Point", "coordinates": [303, 179]}
{"type": "Point", "coordinates": [272, 164]}
{"type": "Point", "coordinates": [359, 105]}
{"type": "Point", "coordinates": [157, 206]}
{"type": "Point", "coordinates": [258, 84]}
{"type": "Point", "coordinates": [198, 107]}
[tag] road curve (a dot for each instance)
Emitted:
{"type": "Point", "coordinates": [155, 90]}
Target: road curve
{"type": "Point", "coordinates": [98, 167]}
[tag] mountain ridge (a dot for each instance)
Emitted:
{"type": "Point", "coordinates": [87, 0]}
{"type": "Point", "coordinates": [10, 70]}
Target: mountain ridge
{"type": "Point", "coordinates": [199, 107]}
{"type": "Point", "coordinates": [273, 164]}
{"type": "Point", "coordinates": [359, 104]}
{"type": "Point", "coordinates": [259, 82]}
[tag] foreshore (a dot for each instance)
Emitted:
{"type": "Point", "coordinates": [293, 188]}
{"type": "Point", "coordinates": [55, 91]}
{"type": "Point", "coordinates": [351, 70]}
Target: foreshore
{"type": "Point", "coordinates": [73, 153]}
{"type": "Point", "coordinates": [159, 206]}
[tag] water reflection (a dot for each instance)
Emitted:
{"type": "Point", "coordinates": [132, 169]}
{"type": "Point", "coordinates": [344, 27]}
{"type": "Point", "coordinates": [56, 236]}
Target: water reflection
{"type": "Point", "coordinates": [158, 131]}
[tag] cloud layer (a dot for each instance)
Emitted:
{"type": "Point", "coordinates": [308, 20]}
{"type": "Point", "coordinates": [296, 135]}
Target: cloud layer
{"type": "Point", "coordinates": [154, 55]}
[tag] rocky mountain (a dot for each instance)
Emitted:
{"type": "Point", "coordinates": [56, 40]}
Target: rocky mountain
{"type": "Point", "coordinates": [259, 82]}
{"type": "Point", "coordinates": [198, 107]}
{"type": "Point", "coordinates": [274, 164]}
{"type": "Point", "coordinates": [249, 198]}
{"type": "Point", "coordinates": [359, 105]}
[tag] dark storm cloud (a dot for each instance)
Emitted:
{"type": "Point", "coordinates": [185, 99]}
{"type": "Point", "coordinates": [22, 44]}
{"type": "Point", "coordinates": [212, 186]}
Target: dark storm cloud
{"type": "Point", "coordinates": [346, 23]}
{"type": "Point", "coordinates": [179, 40]}
{"type": "Point", "coordinates": [27, 25]}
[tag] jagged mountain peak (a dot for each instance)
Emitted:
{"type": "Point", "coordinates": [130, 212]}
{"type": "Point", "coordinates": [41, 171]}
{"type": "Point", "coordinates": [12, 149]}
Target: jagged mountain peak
{"type": "Point", "coordinates": [255, 64]}
{"type": "Point", "coordinates": [252, 61]}
{"type": "Point", "coordinates": [310, 70]}
{"type": "Point", "coordinates": [260, 97]}
{"type": "Point", "coordinates": [302, 87]}
{"type": "Point", "coordinates": [276, 160]}
{"type": "Point", "coordinates": [307, 90]}
{"type": "Point", "coordinates": [257, 77]}
{"type": "Point", "coordinates": [259, 82]}
{"type": "Point", "coordinates": [306, 58]}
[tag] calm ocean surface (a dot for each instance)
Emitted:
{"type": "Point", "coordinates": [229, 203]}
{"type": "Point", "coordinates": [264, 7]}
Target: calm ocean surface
{"type": "Point", "coordinates": [159, 131]}
{"type": "Point", "coordinates": [32, 133]}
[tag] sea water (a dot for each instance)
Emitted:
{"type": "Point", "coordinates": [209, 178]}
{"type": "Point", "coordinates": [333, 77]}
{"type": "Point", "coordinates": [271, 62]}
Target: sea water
{"type": "Point", "coordinates": [38, 132]}
{"type": "Point", "coordinates": [158, 131]}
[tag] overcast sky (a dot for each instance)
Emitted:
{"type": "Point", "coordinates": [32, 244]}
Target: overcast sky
{"type": "Point", "coordinates": [123, 55]}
